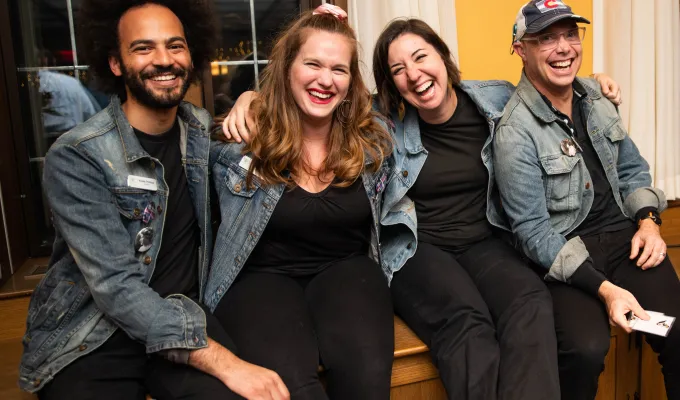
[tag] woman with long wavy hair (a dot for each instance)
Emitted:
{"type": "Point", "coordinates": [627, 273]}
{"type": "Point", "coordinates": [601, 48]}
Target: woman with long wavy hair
{"type": "Point", "coordinates": [295, 278]}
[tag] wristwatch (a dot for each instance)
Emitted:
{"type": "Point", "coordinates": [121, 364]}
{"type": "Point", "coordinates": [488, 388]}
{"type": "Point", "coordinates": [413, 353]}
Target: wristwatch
{"type": "Point", "coordinates": [653, 215]}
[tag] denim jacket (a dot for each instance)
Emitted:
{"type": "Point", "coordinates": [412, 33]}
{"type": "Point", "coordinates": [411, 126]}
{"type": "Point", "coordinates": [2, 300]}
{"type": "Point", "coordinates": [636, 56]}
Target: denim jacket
{"type": "Point", "coordinates": [398, 218]}
{"type": "Point", "coordinates": [545, 193]}
{"type": "Point", "coordinates": [96, 282]}
{"type": "Point", "coordinates": [246, 211]}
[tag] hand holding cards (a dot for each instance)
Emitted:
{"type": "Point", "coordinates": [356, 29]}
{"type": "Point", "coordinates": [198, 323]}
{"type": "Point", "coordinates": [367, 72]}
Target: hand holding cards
{"type": "Point", "coordinates": [658, 323]}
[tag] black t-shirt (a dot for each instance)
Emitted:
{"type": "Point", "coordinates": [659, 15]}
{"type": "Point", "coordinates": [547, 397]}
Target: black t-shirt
{"type": "Point", "coordinates": [604, 215]}
{"type": "Point", "coordinates": [308, 231]}
{"type": "Point", "coordinates": [177, 261]}
{"type": "Point", "coordinates": [450, 191]}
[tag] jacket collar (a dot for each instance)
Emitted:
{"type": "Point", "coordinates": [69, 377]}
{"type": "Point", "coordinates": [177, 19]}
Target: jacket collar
{"type": "Point", "coordinates": [533, 100]}
{"type": "Point", "coordinates": [131, 146]}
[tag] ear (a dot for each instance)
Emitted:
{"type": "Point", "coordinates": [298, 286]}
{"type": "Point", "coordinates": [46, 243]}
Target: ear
{"type": "Point", "coordinates": [519, 49]}
{"type": "Point", "coordinates": [114, 64]}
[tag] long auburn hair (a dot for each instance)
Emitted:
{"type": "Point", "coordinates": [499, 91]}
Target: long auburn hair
{"type": "Point", "coordinates": [389, 98]}
{"type": "Point", "coordinates": [355, 138]}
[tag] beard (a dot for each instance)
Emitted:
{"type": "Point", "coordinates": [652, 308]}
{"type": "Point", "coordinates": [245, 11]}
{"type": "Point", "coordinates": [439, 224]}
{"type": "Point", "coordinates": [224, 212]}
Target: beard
{"type": "Point", "coordinates": [168, 98]}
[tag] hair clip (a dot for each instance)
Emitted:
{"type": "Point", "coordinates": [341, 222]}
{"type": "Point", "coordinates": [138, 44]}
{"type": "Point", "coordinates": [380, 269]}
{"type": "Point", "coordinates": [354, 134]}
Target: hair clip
{"type": "Point", "coordinates": [331, 9]}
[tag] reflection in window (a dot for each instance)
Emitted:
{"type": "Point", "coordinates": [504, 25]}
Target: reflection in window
{"type": "Point", "coordinates": [246, 39]}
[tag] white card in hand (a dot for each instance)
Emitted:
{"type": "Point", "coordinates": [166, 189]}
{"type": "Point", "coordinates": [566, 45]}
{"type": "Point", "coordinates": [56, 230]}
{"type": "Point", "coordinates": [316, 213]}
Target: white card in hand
{"type": "Point", "coordinates": [658, 323]}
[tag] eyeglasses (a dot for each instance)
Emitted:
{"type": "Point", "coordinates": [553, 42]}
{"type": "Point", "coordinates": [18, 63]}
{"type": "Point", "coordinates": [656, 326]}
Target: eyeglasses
{"type": "Point", "coordinates": [549, 40]}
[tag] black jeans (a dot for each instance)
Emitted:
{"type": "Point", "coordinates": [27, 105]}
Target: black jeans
{"type": "Point", "coordinates": [582, 323]}
{"type": "Point", "coordinates": [486, 317]}
{"type": "Point", "coordinates": [341, 317]}
{"type": "Point", "coordinates": [120, 369]}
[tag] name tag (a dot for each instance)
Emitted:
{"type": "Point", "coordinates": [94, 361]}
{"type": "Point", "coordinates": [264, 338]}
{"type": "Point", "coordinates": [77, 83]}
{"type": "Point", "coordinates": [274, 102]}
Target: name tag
{"type": "Point", "coordinates": [245, 164]}
{"type": "Point", "coordinates": [141, 182]}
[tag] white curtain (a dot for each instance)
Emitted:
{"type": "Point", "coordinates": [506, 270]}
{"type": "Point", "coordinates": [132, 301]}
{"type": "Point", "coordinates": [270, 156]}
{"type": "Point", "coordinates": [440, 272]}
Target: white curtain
{"type": "Point", "coordinates": [639, 42]}
{"type": "Point", "coordinates": [369, 17]}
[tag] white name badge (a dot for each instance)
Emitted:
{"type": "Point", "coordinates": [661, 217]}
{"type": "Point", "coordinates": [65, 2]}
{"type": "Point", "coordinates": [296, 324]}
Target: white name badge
{"type": "Point", "coordinates": [245, 164]}
{"type": "Point", "coordinates": [141, 182]}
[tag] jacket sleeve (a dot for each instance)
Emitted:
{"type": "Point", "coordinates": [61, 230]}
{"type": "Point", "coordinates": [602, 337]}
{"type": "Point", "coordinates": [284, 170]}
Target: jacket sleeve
{"type": "Point", "coordinates": [87, 217]}
{"type": "Point", "coordinates": [635, 182]}
{"type": "Point", "coordinates": [520, 181]}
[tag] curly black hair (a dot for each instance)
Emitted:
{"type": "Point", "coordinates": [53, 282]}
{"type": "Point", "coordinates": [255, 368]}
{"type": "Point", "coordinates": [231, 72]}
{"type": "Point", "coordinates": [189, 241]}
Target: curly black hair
{"type": "Point", "coordinates": [97, 28]}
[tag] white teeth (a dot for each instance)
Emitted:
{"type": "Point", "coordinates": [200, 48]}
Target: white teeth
{"type": "Point", "coordinates": [163, 78]}
{"type": "Point", "coordinates": [561, 64]}
{"type": "Point", "coordinates": [320, 95]}
{"type": "Point", "coordinates": [422, 88]}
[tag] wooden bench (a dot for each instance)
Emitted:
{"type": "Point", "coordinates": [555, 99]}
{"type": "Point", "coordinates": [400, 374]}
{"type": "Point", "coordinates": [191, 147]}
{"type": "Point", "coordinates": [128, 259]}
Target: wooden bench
{"type": "Point", "coordinates": [413, 374]}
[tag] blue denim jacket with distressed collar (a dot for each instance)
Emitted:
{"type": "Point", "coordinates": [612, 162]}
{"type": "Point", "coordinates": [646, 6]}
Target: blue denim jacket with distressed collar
{"type": "Point", "coordinates": [245, 212]}
{"type": "Point", "coordinates": [96, 281]}
{"type": "Point", "coordinates": [545, 192]}
{"type": "Point", "coordinates": [399, 237]}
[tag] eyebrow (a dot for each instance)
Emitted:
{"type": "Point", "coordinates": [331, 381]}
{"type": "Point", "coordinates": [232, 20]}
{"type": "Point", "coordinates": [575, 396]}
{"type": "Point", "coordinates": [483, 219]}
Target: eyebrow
{"type": "Point", "coordinates": [412, 54]}
{"type": "Point", "coordinates": [149, 41]}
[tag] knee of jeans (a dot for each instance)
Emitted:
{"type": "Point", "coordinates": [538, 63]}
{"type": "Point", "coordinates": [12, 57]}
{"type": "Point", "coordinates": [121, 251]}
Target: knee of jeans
{"type": "Point", "coordinates": [588, 351]}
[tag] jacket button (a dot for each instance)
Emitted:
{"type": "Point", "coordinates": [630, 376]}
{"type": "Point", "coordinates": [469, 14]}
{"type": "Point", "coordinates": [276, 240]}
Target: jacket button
{"type": "Point", "coordinates": [159, 209]}
{"type": "Point", "coordinates": [153, 165]}
{"type": "Point", "coordinates": [408, 246]}
{"type": "Point", "coordinates": [587, 185]}
{"type": "Point", "coordinates": [147, 260]}
{"type": "Point", "coordinates": [82, 347]}
{"type": "Point", "coordinates": [36, 382]}
{"type": "Point", "coordinates": [237, 188]}
{"type": "Point", "coordinates": [404, 173]}
{"type": "Point", "coordinates": [137, 212]}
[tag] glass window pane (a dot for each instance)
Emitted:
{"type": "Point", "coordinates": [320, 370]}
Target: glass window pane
{"type": "Point", "coordinates": [270, 17]}
{"type": "Point", "coordinates": [233, 18]}
{"type": "Point", "coordinates": [229, 82]}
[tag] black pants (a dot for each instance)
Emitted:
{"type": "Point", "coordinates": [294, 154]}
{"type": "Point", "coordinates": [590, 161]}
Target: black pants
{"type": "Point", "coordinates": [120, 369]}
{"type": "Point", "coordinates": [341, 317]}
{"type": "Point", "coordinates": [582, 324]}
{"type": "Point", "coordinates": [486, 317]}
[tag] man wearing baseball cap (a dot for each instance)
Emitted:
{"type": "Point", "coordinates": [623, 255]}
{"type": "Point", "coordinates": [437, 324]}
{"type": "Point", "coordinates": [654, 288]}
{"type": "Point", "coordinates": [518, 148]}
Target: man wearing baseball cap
{"type": "Point", "coordinates": [580, 201]}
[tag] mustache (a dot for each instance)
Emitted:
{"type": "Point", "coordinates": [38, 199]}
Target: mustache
{"type": "Point", "coordinates": [179, 72]}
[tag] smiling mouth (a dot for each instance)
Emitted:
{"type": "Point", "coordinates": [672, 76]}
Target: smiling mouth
{"type": "Point", "coordinates": [424, 87]}
{"type": "Point", "coordinates": [321, 95]}
{"type": "Point", "coordinates": [561, 65]}
{"type": "Point", "coordinates": [162, 78]}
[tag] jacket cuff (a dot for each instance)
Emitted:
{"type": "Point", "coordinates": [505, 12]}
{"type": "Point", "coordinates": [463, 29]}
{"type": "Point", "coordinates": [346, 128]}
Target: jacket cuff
{"type": "Point", "coordinates": [587, 278]}
{"type": "Point", "coordinates": [165, 333]}
{"type": "Point", "coordinates": [645, 197]}
{"type": "Point", "coordinates": [567, 261]}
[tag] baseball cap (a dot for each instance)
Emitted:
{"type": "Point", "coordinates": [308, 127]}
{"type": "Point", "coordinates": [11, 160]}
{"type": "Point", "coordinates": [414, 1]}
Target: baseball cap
{"type": "Point", "coordinates": [537, 15]}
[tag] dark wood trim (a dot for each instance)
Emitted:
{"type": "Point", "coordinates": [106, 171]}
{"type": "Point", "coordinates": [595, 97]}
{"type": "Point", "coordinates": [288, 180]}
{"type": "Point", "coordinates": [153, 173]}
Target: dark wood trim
{"type": "Point", "coordinates": [10, 169]}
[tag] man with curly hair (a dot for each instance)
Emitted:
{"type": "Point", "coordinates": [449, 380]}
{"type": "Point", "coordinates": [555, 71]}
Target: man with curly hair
{"type": "Point", "coordinates": [117, 315]}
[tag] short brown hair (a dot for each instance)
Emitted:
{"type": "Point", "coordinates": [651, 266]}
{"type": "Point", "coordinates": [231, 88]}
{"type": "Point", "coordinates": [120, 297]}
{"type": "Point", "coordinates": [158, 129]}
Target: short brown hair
{"type": "Point", "coordinates": [388, 94]}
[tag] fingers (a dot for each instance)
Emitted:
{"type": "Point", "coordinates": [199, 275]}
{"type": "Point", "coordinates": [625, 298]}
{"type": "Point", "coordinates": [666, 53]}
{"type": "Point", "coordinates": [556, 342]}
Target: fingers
{"type": "Point", "coordinates": [278, 389]}
{"type": "Point", "coordinates": [617, 99]}
{"type": "Point", "coordinates": [658, 255]}
{"type": "Point", "coordinates": [619, 318]}
{"type": "Point", "coordinates": [233, 130]}
{"type": "Point", "coordinates": [241, 128]}
{"type": "Point", "coordinates": [225, 127]}
{"type": "Point", "coordinates": [635, 246]}
{"type": "Point", "coordinates": [638, 310]}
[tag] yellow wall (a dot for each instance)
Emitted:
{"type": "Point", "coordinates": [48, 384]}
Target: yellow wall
{"type": "Point", "coordinates": [485, 35]}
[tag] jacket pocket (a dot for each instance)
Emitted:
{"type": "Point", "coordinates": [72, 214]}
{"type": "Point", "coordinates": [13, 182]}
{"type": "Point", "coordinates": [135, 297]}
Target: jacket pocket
{"type": "Point", "coordinates": [616, 132]}
{"type": "Point", "coordinates": [562, 182]}
{"type": "Point", "coordinates": [236, 183]}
